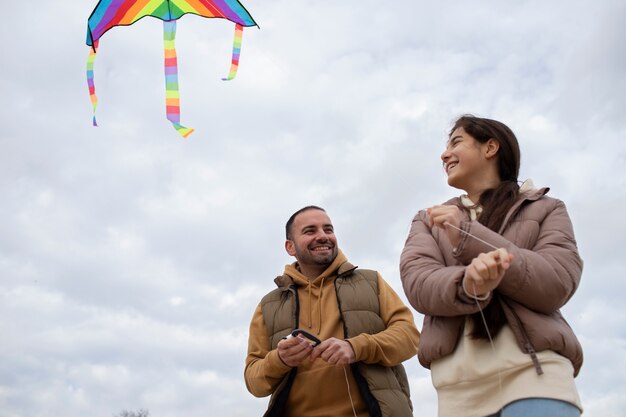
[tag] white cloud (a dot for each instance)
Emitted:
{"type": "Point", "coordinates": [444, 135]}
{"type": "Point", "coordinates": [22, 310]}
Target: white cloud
{"type": "Point", "coordinates": [131, 260]}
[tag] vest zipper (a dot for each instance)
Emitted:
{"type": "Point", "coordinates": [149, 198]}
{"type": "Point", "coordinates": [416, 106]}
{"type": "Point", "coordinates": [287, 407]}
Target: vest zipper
{"type": "Point", "coordinates": [294, 290]}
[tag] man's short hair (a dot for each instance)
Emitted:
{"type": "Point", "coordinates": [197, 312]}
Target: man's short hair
{"type": "Point", "coordinates": [293, 217]}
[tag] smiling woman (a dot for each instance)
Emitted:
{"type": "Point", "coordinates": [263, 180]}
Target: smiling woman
{"type": "Point", "coordinates": [463, 158]}
{"type": "Point", "coordinates": [490, 271]}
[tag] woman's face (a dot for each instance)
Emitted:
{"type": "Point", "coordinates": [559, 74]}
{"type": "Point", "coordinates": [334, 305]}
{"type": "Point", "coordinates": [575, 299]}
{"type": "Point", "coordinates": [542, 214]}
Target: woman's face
{"type": "Point", "coordinates": [465, 161]}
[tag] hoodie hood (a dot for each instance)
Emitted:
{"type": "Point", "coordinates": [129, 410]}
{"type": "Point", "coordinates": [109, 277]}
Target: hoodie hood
{"type": "Point", "coordinates": [292, 274]}
{"type": "Point", "coordinates": [293, 270]}
{"type": "Point", "coordinates": [313, 289]}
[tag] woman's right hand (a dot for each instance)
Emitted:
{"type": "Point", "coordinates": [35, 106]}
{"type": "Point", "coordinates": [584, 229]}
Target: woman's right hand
{"type": "Point", "coordinates": [485, 272]}
{"type": "Point", "coordinates": [442, 216]}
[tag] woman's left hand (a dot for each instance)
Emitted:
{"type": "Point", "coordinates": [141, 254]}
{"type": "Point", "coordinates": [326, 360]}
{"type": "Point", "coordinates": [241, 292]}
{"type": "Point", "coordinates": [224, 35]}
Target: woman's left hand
{"type": "Point", "coordinates": [486, 271]}
{"type": "Point", "coordinates": [441, 216]}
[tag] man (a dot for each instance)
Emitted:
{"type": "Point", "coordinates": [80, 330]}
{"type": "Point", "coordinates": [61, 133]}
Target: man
{"type": "Point", "coordinates": [365, 329]}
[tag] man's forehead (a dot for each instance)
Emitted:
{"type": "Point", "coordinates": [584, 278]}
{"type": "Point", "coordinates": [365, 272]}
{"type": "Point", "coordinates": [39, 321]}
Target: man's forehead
{"type": "Point", "coordinates": [312, 217]}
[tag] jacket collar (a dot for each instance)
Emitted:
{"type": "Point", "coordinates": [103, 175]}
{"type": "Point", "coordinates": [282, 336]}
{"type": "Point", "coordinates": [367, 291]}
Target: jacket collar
{"type": "Point", "coordinates": [531, 195]}
{"type": "Point", "coordinates": [284, 282]}
{"type": "Point", "coordinates": [345, 268]}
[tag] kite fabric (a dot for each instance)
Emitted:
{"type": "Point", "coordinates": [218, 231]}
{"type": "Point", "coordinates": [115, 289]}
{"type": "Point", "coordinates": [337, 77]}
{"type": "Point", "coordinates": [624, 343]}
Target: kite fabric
{"type": "Point", "coordinates": [111, 13]}
{"type": "Point", "coordinates": [172, 98]}
{"type": "Point", "coordinates": [92, 88]}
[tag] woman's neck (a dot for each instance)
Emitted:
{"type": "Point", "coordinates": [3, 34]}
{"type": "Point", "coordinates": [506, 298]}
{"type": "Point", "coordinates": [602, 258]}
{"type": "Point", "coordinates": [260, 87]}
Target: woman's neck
{"type": "Point", "coordinates": [475, 192]}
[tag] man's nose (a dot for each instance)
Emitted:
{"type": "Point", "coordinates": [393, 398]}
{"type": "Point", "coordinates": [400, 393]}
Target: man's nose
{"type": "Point", "coordinates": [321, 237]}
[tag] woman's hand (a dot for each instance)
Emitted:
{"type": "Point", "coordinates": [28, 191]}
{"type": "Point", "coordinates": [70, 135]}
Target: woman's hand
{"type": "Point", "coordinates": [441, 216]}
{"type": "Point", "coordinates": [485, 272]}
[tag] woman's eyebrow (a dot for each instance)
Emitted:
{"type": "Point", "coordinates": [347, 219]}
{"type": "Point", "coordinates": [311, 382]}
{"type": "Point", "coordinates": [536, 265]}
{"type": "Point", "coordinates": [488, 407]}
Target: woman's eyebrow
{"type": "Point", "coordinates": [452, 139]}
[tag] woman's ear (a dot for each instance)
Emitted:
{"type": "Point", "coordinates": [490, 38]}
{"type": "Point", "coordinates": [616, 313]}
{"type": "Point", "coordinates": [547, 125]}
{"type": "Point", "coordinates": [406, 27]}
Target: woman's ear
{"type": "Point", "coordinates": [492, 147]}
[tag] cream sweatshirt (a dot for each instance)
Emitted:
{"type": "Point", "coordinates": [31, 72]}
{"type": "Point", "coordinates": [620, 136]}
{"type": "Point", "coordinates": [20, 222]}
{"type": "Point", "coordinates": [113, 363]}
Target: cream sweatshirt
{"type": "Point", "coordinates": [477, 380]}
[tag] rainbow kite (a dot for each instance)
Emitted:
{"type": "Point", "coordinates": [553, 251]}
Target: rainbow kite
{"type": "Point", "coordinates": [110, 13]}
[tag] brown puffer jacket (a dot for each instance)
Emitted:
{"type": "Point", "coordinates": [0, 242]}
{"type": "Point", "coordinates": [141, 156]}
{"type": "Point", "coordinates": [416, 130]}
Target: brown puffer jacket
{"type": "Point", "coordinates": [544, 274]}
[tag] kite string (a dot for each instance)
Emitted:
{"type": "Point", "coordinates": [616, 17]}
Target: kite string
{"type": "Point", "coordinates": [471, 235]}
{"type": "Point", "coordinates": [345, 373]}
{"type": "Point", "coordinates": [493, 346]}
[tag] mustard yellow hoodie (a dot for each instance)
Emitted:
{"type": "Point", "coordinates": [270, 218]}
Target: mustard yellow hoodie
{"type": "Point", "coordinates": [320, 389]}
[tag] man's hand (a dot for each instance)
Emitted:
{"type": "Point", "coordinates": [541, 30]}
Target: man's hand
{"type": "Point", "coordinates": [486, 271]}
{"type": "Point", "coordinates": [334, 351]}
{"type": "Point", "coordinates": [294, 350]}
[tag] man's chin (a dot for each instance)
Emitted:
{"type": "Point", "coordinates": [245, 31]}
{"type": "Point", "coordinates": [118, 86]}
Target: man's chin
{"type": "Point", "coordinates": [325, 260]}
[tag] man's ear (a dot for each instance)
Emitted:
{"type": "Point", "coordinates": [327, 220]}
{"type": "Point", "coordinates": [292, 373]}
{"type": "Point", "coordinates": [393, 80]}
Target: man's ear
{"type": "Point", "coordinates": [290, 247]}
{"type": "Point", "coordinates": [491, 149]}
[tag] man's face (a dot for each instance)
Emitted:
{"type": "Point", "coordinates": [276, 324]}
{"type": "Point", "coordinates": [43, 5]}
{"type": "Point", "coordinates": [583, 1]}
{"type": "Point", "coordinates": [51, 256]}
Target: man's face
{"type": "Point", "coordinates": [313, 240]}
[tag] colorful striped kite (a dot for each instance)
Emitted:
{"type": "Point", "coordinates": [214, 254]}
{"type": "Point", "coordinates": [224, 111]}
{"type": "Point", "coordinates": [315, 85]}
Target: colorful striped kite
{"type": "Point", "coordinates": [110, 13]}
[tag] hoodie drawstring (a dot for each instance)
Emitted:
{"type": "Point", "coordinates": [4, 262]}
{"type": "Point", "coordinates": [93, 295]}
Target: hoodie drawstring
{"type": "Point", "coordinates": [319, 306]}
{"type": "Point", "coordinates": [310, 308]}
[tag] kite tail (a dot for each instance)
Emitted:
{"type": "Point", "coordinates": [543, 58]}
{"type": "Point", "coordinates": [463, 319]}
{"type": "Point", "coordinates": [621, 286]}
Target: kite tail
{"type": "Point", "coordinates": [172, 98]}
{"type": "Point", "coordinates": [92, 87]}
{"type": "Point", "coordinates": [234, 65]}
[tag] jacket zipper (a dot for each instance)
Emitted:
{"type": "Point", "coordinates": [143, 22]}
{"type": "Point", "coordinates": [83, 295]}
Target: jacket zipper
{"type": "Point", "coordinates": [533, 355]}
{"type": "Point", "coordinates": [530, 349]}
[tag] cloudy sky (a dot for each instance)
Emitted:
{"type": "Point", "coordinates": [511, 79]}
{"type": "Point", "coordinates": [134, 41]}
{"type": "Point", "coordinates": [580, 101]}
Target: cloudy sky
{"type": "Point", "coordinates": [131, 260]}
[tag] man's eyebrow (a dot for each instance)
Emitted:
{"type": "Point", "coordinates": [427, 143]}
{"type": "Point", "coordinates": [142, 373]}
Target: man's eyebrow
{"type": "Point", "coordinates": [312, 226]}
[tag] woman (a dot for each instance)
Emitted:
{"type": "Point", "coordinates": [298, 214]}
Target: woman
{"type": "Point", "coordinates": [490, 271]}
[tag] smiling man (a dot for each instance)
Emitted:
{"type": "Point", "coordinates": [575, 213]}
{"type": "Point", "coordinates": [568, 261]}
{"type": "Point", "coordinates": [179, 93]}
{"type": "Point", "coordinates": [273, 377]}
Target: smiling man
{"type": "Point", "coordinates": [365, 329]}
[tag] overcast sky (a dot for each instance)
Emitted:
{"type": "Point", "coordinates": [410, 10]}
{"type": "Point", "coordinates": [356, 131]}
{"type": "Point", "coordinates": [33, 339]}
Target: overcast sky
{"type": "Point", "coordinates": [131, 260]}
